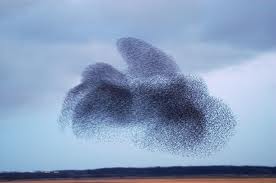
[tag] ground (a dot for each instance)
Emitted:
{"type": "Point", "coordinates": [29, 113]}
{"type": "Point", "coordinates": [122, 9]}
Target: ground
{"type": "Point", "coordinates": [155, 180]}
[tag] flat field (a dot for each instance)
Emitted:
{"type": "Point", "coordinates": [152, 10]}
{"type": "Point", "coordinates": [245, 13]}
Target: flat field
{"type": "Point", "coordinates": [154, 180]}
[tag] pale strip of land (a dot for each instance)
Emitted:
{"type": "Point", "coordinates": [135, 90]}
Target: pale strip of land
{"type": "Point", "coordinates": [154, 180]}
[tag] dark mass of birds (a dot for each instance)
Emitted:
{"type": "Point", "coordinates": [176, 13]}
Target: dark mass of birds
{"type": "Point", "coordinates": [164, 109]}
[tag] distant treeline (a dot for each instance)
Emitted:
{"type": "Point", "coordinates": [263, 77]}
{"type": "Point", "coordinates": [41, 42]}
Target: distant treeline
{"type": "Point", "coordinates": [190, 171]}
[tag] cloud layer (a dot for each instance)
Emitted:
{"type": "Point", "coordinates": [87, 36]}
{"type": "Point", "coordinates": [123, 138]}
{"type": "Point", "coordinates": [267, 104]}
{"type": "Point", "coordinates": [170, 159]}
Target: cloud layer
{"type": "Point", "coordinates": [45, 35]}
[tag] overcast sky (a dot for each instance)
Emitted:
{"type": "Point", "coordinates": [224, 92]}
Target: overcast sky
{"type": "Point", "coordinates": [44, 46]}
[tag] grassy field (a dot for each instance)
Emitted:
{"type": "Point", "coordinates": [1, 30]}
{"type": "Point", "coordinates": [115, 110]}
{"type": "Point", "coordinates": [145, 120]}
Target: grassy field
{"type": "Point", "coordinates": [156, 180]}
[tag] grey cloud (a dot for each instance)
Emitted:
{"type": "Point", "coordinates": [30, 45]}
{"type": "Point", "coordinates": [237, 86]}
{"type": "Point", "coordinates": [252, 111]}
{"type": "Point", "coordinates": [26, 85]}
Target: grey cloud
{"type": "Point", "coordinates": [210, 34]}
{"type": "Point", "coordinates": [85, 20]}
{"type": "Point", "coordinates": [243, 24]}
{"type": "Point", "coordinates": [39, 37]}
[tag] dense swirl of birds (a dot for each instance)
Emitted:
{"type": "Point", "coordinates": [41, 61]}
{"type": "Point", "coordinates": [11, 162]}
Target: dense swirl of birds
{"type": "Point", "coordinates": [163, 109]}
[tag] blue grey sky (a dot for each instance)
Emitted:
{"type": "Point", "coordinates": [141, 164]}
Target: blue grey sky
{"type": "Point", "coordinates": [44, 46]}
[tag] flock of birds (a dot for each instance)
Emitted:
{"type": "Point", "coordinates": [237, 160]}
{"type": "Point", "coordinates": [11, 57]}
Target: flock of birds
{"type": "Point", "coordinates": [163, 109]}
